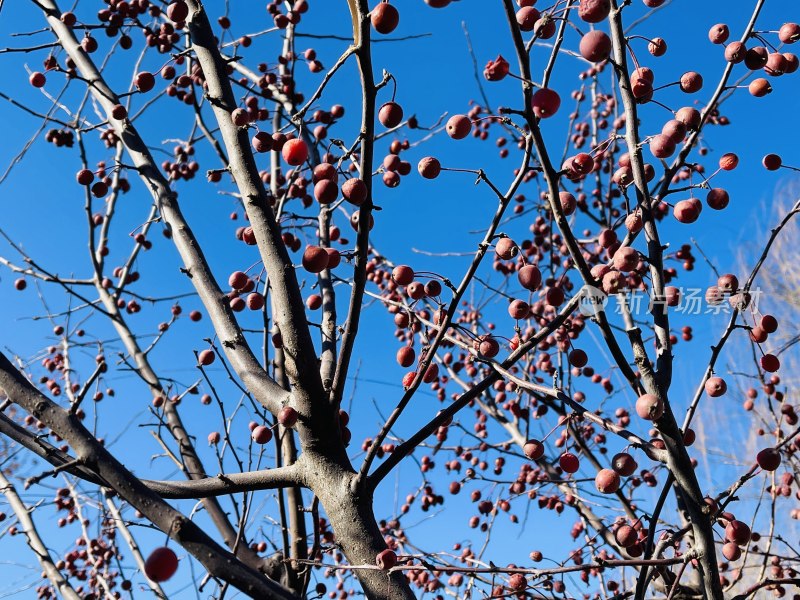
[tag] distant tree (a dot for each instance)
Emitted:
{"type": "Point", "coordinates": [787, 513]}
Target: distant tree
{"type": "Point", "coordinates": [528, 418]}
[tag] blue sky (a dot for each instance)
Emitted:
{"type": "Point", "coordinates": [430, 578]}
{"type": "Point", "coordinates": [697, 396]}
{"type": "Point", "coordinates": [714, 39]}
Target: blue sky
{"type": "Point", "coordinates": [43, 208]}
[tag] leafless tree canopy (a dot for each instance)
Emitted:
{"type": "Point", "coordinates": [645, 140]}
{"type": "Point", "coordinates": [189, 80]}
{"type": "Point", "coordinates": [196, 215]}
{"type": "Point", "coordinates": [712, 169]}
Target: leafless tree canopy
{"type": "Point", "coordinates": [522, 398]}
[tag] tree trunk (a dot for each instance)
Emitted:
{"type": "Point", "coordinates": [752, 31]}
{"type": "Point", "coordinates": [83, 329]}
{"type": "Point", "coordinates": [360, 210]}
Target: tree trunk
{"type": "Point", "coordinates": [349, 509]}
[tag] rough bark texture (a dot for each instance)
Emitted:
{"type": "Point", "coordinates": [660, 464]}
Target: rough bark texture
{"type": "Point", "coordinates": [349, 508]}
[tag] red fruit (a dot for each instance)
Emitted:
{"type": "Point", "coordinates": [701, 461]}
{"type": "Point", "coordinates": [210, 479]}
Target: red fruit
{"type": "Point", "coordinates": [255, 301]}
{"type": "Point", "coordinates": [626, 259]}
{"type": "Point", "coordinates": [772, 162]}
{"type": "Point", "coordinates": [735, 52]}
{"type": "Point", "coordinates": [403, 274]}
{"type": "Point", "coordinates": [506, 248]}
{"type": "Point", "coordinates": [85, 177]}
{"type": "Point", "coordinates": [433, 288]}
{"type": "Point", "coordinates": [206, 357]}
{"type": "Point", "coordinates": [390, 115]}
{"type": "Point", "coordinates": [527, 17]}
{"type": "Point", "coordinates": [613, 282]}
{"type": "Point", "coordinates": [20, 284]}
{"type": "Point", "coordinates": [384, 18]}
{"type": "Point", "coordinates": [716, 387]}
{"type": "Point", "coordinates": [326, 191]}
{"type": "Point", "coordinates": [718, 34]}
{"type": "Point", "coordinates": [626, 536]}
{"type": "Point", "coordinates": [37, 79]}
{"type": "Point", "coordinates": [717, 199]}
{"type": "Point", "coordinates": [261, 434]}
{"type": "Point", "coordinates": [568, 462]}
{"type": "Point", "coordinates": [355, 191]}
{"type": "Point", "coordinates": [195, 315]}
{"type": "Point", "coordinates": [315, 259]}
{"type": "Point", "coordinates": [689, 437]}
{"type": "Point", "coordinates": [657, 47]}
{"type": "Point", "coordinates": [391, 179]}
{"type": "Point", "coordinates": [691, 82]}
{"type": "Point", "coordinates": [386, 559]}
{"type": "Point", "coordinates": [594, 11]}
{"type": "Point", "coordinates": [161, 564]}
{"type": "Point", "coordinates": [334, 258]}
{"type": "Point", "coordinates": [249, 236]}
{"type": "Point", "coordinates": [672, 295]}
{"type": "Point", "coordinates": [687, 211]}
{"type": "Point", "coordinates": [662, 146]}
{"type": "Point", "coordinates": [769, 459]}
{"type": "Point", "coordinates": [731, 551]}
{"type": "Point", "coordinates": [770, 363]}
{"type": "Point", "coordinates": [759, 87]}
{"type": "Point", "coordinates": [287, 417]}
{"type": "Point", "coordinates": [325, 171]}
{"type": "Point", "coordinates": [529, 277]}
{"type": "Point", "coordinates": [89, 44]}
{"type": "Point", "coordinates": [582, 163]}
{"type": "Point", "coordinates": [756, 58]}
{"type": "Point", "coordinates": [554, 296]}
{"type": "Point", "coordinates": [728, 161]}
{"type": "Point", "coordinates": [568, 203]}
{"type": "Point", "coordinates": [737, 532]}
{"type": "Point", "coordinates": [758, 335]}
{"type": "Point", "coordinates": [238, 280]}
{"type": "Point", "coordinates": [519, 309]}
{"type": "Point", "coordinates": [689, 116]}
{"type": "Point", "coordinates": [314, 302]}
{"type": "Point", "coordinates": [776, 64]}
{"type": "Point", "coordinates": [533, 449]}
{"type": "Point", "coordinates": [634, 223]}
{"type": "Point", "coordinates": [595, 46]}
{"type": "Point", "coordinates": [458, 127]}
{"type": "Point", "coordinates": [213, 438]}
{"type": "Point", "coordinates": [649, 407]}
{"type": "Point", "coordinates": [517, 582]}
{"type": "Point", "coordinates": [624, 464]}
{"type": "Point", "coordinates": [606, 481]}
{"type": "Point", "coordinates": [240, 117]}
{"type": "Point", "coordinates": [406, 356]}
{"type": "Point", "coordinates": [415, 290]}
{"type": "Point", "coordinates": [643, 73]}
{"type": "Point", "coordinates": [295, 152]}
{"type": "Point", "coordinates": [769, 323]}
{"type": "Point", "coordinates": [144, 81]}
{"type": "Point", "coordinates": [69, 19]}
{"type": "Point", "coordinates": [789, 33]}
{"type": "Point", "coordinates": [262, 142]}
{"type": "Point", "coordinates": [496, 69]}
{"type": "Point", "coordinates": [177, 11]}
{"type": "Point", "coordinates": [99, 189]}
{"type": "Point", "coordinates": [489, 347]}
{"type": "Point", "coordinates": [728, 283]}
{"type": "Point", "coordinates": [607, 238]}
{"type": "Point", "coordinates": [429, 167]}
{"type": "Point", "coordinates": [642, 89]}
{"type": "Point", "coordinates": [545, 103]}
{"type": "Point", "coordinates": [391, 162]}
{"type": "Point", "coordinates": [119, 112]}
{"type": "Point", "coordinates": [578, 358]}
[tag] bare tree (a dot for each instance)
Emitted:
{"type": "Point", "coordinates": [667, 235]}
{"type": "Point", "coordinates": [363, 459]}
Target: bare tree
{"type": "Point", "coordinates": [502, 344]}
